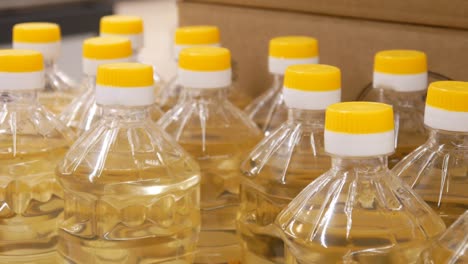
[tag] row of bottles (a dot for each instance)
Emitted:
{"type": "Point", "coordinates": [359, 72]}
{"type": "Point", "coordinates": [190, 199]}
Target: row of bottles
{"type": "Point", "coordinates": [107, 177]}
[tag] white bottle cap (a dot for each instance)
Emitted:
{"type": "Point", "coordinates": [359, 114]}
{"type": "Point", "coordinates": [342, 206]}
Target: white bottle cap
{"type": "Point", "coordinates": [291, 50]}
{"type": "Point", "coordinates": [312, 86]}
{"type": "Point", "coordinates": [447, 106]}
{"type": "Point", "coordinates": [21, 70]}
{"type": "Point", "coordinates": [104, 50]}
{"type": "Point", "coordinates": [359, 129]}
{"type": "Point", "coordinates": [204, 67]}
{"type": "Point", "coordinates": [400, 70]}
{"type": "Point", "coordinates": [40, 36]}
{"type": "Point", "coordinates": [130, 27]}
{"type": "Point", "coordinates": [125, 84]}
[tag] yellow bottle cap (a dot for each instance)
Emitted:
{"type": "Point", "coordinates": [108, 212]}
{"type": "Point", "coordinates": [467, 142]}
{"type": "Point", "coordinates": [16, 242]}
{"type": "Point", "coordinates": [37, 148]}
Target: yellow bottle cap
{"type": "Point", "coordinates": [448, 95]}
{"type": "Point", "coordinates": [36, 32]}
{"type": "Point", "coordinates": [359, 118]}
{"type": "Point", "coordinates": [205, 59]}
{"type": "Point", "coordinates": [20, 61]}
{"type": "Point", "coordinates": [197, 35]}
{"type": "Point", "coordinates": [293, 47]}
{"type": "Point", "coordinates": [312, 77]}
{"type": "Point", "coordinates": [120, 24]}
{"type": "Point", "coordinates": [106, 48]}
{"type": "Point", "coordinates": [400, 62]}
{"type": "Point", "coordinates": [130, 74]}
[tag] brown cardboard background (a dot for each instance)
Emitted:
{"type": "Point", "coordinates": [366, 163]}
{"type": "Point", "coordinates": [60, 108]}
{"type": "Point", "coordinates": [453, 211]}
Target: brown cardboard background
{"type": "Point", "coordinates": [347, 43]}
{"type": "Point", "coordinates": [445, 13]}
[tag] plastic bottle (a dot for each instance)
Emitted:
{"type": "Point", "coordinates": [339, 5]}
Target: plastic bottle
{"type": "Point", "coordinates": [358, 211]}
{"type": "Point", "coordinates": [131, 192]}
{"type": "Point", "coordinates": [131, 27]}
{"type": "Point", "coordinates": [59, 90]}
{"type": "Point", "coordinates": [285, 162]}
{"type": "Point", "coordinates": [32, 142]}
{"type": "Point", "coordinates": [219, 136]}
{"type": "Point", "coordinates": [83, 112]}
{"type": "Point", "coordinates": [437, 170]}
{"type": "Point", "coordinates": [268, 110]}
{"type": "Point", "coordinates": [185, 37]}
{"type": "Point", "coordinates": [452, 246]}
{"type": "Point", "coordinates": [400, 79]}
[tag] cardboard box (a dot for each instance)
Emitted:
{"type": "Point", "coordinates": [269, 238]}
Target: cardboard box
{"type": "Point", "coordinates": [444, 13]}
{"type": "Point", "coordinates": [344, 42]}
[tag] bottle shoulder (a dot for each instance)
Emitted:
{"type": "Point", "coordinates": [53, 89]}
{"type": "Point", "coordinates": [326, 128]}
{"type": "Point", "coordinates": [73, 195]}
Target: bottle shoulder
{"type": "Point", "coordinates": [30, 129]}
{"type": "Point", "coordinates": [434, 165]}
{"type": "Point", "coordinates": [116, 152]}
{"type": "Point", "coordinates": [291, 149]}
{"type": "Point", "coordinates": [220, 118]}
{"type": "Point", "coordinates": [350, 204]}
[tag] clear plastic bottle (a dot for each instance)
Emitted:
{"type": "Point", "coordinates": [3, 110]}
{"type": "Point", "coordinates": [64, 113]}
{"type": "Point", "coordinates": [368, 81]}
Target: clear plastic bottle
{"type": "Point", "coordinates": [400, 79]}
{"type": "Point", "coordinates": [32, 141]}
{"type": "Point", "coordinates": [59, 89]}
{"type": "Point", "coordinates": [268, 110]}
{"type": "Point", "coordinates": [452, 246]}
{"type": "Point", "coordinates": [358, 211]}
{"type": "Point", "coordinates": [131, 27]}
{"type": "Point", "coordinates": [83, 112]}
{"type": "Point", "coordinates": [131, 192]}
{"type": "Point", "coordinates": [219, 136]}
{"type": "Point", "coordinates": [285, 162]}
{"type": "Point", "coordinates": [438, 169]}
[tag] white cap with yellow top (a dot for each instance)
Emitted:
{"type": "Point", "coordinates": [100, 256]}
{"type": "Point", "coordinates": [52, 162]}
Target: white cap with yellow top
{"type": "Point", "coordinates": [103, 50]}
{"type": "Point", "coordinates": [195, 36]}
{"type": "Point", "coordinates": [40, 36]}
{"type": "Point", "coordinates": [447, 106]}
{"type": "Point", "coordinates": [311, 86]}
{"type": "Point", "coordinates": [21, 70]}
{"type": "Point", "coordinates": [400, 70]}
{"type": "Point", "coordinates": [125, 84]}
{"type": "Point", "coordinates": [130, 27]}
{"type": "Point", "coordinates": [204, 67]}
{"type": "Point", "coordinates": [359, 129]}
{"type": "Point", "coordinates": [291, 50]}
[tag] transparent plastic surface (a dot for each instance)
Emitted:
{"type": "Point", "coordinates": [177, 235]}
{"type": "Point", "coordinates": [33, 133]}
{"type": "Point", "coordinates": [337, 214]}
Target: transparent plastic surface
{"type": "Point", "coordinates": [32, 142]}
{"type": "Point", "coordinates": [219, 136]}
{"type": "Point", "coordinates": [83, 112]}
{"type": "Point", "coordinates": [452, 246]}
{"type": "Point", "coordinates": [59, 89]}
{"type": "Point", "coordinates": [358, 212]}
{"type": "Point", "coordinates": [268, 110]}
{"type": "Point", "coordinates": [408, 110]}
{"type": "Point", "coordinates": [438, 172]}
{"type": "Point", "coordinates": [131, 194]}
{"type": "Point", "coordinates": [275, 172]}
{"type": "Point", "coordinates": [170, 94]}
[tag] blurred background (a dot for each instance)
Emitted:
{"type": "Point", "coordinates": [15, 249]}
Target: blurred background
{"type": "Point", "coordinates": [79, 19]}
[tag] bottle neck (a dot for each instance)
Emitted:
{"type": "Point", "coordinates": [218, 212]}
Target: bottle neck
{"type": "Point", "coordinates": [136, 54]}
{"type": "Point", "coordinates": [19, 97]}
{"type": "Point", "coordinates": [206, 94]}
{"type": "Point", "coordinates": [89, 82]}
{"type": "Point", "coordinates": [313, 119]}
{"type": "Point", "coordinates": [50, 65]}
{"type": "Point", "coordinates": [278, 80]}
{"type": "Point", "coordinates": [365, 166]}
{"type": "Point", "coordinates": [448, 139]}
{"type": "Point", "coordinates": [126, 113]}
